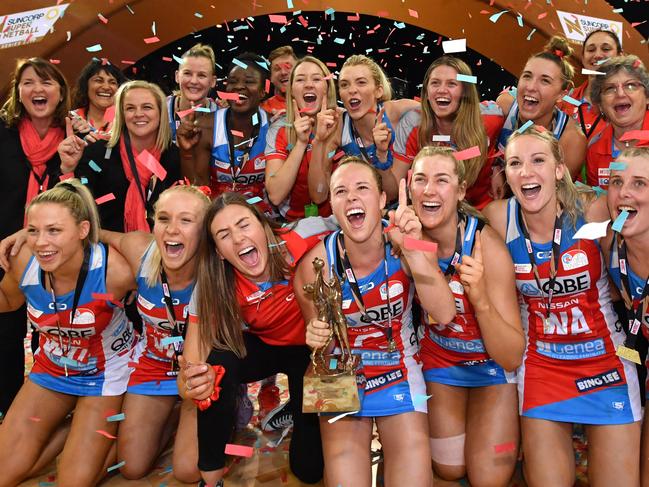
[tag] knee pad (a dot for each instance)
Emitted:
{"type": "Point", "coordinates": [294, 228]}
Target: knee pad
{"type": "Point", "coordinates": [449, 450]}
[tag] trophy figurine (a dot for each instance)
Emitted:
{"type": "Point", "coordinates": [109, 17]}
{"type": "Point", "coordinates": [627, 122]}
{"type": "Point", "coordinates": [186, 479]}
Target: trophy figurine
{"type": "Point", "coordinates": [332, 382]}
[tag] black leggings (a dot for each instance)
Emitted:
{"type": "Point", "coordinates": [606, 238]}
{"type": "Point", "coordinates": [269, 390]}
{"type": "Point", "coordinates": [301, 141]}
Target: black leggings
{"type": "Point", "coordinates": [13, 328]}
{"type": "Point", "coordinates": [216, 424]}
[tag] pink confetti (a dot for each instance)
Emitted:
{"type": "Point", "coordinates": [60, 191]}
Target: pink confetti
{"type": "Point", "coordinates": [105, 199]}
{"type": "Point", "coordinates": [239, 450]}
{"type": "Point", "coordinates": [107, 434]}
{"type": "Point", "coordinates": [151, 40]}
{"type": "Point", "coordinates": [505, 447]}
{"type": "Point", "coordinates": [55, 61]}
{"type": "Point", "coordinates": [389, 228]}
{"type": "Point", "coordinates": [168, 59]}
{"type": "Point", "coordinates": [237, 133]}
{"type": "Point", "coordinates": [353, 18]}
{"type": "Point", "coordinates": [225, 95]}
{"type": "Point", "coordinates": [277, 19]}
{"type": "Point", "coordinates": [413, 13]}
{"type": "Point", "coordinates": [126, 61]}
{"type": "Point", "coordinates": [467, 153]}
{"type": "Point", "coordinates": [303, 21]}
{"type": "Point", "coordinates": [102, 18]}
{"type": "Point", "coordinates": [410, 243]}
{"type": "Point", "coordinates": [542, 15]}
{"type": "Point", "coordinates": [152, 164]}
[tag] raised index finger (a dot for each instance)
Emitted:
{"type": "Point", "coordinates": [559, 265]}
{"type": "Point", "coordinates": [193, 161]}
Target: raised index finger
{"type": "Point", "coordinates": [477, 247]}
{"type": "Point", "coordinates": [69, 131]}
{"type": "Point", "coordinates": [403, 194]}
{"type": "Point", "coordinates": [324, 104]}
{"type": "Point", "coordinates": [379, 116]}
{"type": "Point", "coordinates": [296, 110]}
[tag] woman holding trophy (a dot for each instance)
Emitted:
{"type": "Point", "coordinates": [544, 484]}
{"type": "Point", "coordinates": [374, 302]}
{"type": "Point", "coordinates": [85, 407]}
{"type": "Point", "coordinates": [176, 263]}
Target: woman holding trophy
{"type": "Point", "coordinates": [377, 296]}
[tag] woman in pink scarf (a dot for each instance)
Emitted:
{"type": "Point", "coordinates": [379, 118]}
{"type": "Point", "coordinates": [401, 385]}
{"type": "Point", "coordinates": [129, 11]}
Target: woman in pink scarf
{"type": "Point", "coordinates": [31, 123]}
{"type": "Point", "coordinates": [127, 174]}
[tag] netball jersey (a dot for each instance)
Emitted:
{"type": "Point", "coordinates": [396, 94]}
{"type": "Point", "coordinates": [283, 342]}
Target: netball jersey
{"type": "Point", "coordinates": [395, 383]}
{"type": "Point", "coordinates": [570, 370]}
{"type": "Point", "coordinates": [277, 147]}
{"type": "Point", "coordinates": [245, 170]}
{"type": "Point", "coordinates": [152, 363]}
{"type": "Point", "coordinates": [454, 353]}
{"type": "Point", "coordinates": [349, 141]}
{"type": "Point", "coordinates": [94, 349]}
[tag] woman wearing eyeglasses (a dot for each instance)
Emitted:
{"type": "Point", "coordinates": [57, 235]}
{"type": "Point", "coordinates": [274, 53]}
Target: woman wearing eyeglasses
{"type": "Point", "coordinates": [622, 95]}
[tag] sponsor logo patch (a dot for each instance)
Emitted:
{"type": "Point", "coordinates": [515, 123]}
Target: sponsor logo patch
{"type": "Point", "coordinates": [604, 379]}
{"type": "Point", "coordinates": [574, 259]}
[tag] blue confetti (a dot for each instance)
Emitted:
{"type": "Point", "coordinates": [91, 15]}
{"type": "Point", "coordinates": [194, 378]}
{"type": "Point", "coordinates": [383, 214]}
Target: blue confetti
{"type": "Point", "coordinates": [203, 109]}
{"type": "Point", "coordinates": [617, 166]}
{"type": "Point", "coordinates": [494, 18]}
{"type": "Point", "coordinates": [400, 25]}
{"type": "Point", "coordinates": [241, 27]}
{"type": "Point", "coordinates": [167, 469]}
{"type": "Point", "coordinates": [179, 60]}
{"type": "Point", "coordinates": [571, 100]}
{"type": "Point", "coordinates": [330, 11]}
{"type": "Point", "coordinates": [529, 36]}
{"type": "Point", "coordinates": [94, 48]}
{"type": "Point", "coordinates": [420, 398]}
{"type": "Point", "coordinates": [525, 126]}
{"type": "Point", "coordinates": [255, 119]}
{"type": "Point", "coordinates": [339, 40]}
{"type": "Point", "coordinates": [253, 200]}
{"type": "Point", "coordinates": [619, 221]}
{"type": "Point", "coordinates": [171, 340]}
{"type": "Point", "coordinates": [466, 78]}
{"type": "Point", "coordinates": [289, 3]}
{"type": "Point", "coordinates": [116, 466]}
{"type": "Point", "coordinates": [239, 63]}
{"type": "Point", "coordinates": [333, 364]}
{"type": "Point", "coordinates": [116, 417]}
{"type": "Point", "coordinates": [263, 64]}
{"type": "Point", "coordinates": [519, 18]}
{"type": "Point", "coordinates": [94, 166]}
{"type": "Point", "coordinates": [84, 180]}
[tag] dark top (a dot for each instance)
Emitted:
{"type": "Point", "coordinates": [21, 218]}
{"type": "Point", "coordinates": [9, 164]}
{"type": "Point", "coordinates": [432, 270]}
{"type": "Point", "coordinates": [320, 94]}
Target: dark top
{"type": "Point", "coordinates": [14, 176]}
{"type": "Point", "coordinates": [111, 179]}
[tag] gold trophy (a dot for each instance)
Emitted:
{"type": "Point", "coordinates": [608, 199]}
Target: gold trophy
{"type": "Point", "coordinates": [332, 383]}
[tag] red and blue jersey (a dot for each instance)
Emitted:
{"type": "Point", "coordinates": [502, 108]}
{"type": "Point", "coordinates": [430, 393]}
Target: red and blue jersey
{"type": "Point", "coordinates": [349, 143]}
{"type": "Point", "coordinates": [395, 383]}
{"type": "Point", "coordinates": [570, 369]}
{"type": "Point", "coordinates": [454, 353]}
{"type": "Point", "coordinates": [153, 372]}
{"type": "Point", "coordinates": [93, 347]}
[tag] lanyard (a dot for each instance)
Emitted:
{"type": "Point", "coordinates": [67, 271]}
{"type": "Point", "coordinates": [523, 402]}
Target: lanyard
{"type": "Point", "coordinates": [582, 122]}
{"type": "Point", "coordinates": [81, 279]}
{"type": "Point", "coordinates": [634, 315]}
{"type": "Point", "coordinates": [231, 147]}
{"type": "Point", "coordinates": [367, 152]}
{"type": "Point", "coordinates": [554, 258]}
{"type": "Point", "coordinates": [343, 262]}
{"type": "Point", "coordinates": [171, 316]}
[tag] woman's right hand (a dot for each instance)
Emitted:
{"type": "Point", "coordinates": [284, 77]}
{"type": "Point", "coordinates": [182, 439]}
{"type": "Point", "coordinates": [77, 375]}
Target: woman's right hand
{"type": "Point", "coordinates": [302, 124]}
{"type": "Point", "coordinates": [188, 133]}
{"type": "Point", "coordinates": [317, 333]}
{"type": "Point", "coordinates": [198, 379]}
{"type": "Point", "coordinates": [10, 246]}
{"type": "Point", "coordinates": [70, 149]}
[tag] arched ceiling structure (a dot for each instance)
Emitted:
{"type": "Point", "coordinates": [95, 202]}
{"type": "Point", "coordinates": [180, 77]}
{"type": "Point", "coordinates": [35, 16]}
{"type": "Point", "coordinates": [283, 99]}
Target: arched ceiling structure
{"type": "Point", "coordinates": [127, 24]}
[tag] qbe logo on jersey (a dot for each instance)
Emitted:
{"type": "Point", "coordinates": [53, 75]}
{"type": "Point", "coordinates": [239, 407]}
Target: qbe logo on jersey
{"type": "Point", "coordinates": [574, 259]}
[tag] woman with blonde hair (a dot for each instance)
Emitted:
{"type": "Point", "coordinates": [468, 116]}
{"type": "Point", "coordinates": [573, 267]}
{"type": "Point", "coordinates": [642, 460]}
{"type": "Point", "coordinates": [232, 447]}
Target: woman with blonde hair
{"type": "Point", "coordinates": [469, 362]}
{"type": "Point", "coordinates": [451, 115]}
{"type": "Point", "coordinates": [301, 145]}
{"type": "Point", "coordinates": [570, 371]}
{"type": "Point", "coordinates": [74, 289]}
{"type": "Point", "coordinates": [127, 174]}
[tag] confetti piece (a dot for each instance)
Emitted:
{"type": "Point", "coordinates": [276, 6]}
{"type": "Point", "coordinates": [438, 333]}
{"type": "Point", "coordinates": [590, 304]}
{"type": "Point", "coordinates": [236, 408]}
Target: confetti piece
{"type": "Point", "coordinates": [619, 221]}
{"type": "Point", "coordinates": [238, 450]}
{"type": "Point", "coordinates": [410, 243]}
{"type": "Point", "coordinates": [457, 45]}
{"type": "Point", "coordinates": [68, 35]}
{"type": "Point", "coordinates": [525, 126]}
{"type": "Point", "coordinates": [494, 18]}
{"type": "Point", "coordinates": [339, 40]}
{"type": "Point", "coordinates": [105, 199]}
{"type": "Point", "coordinates": [102, 18]}
{"type": "Point", "coordinates": [529, 36]}
{"type": "Point", "coordinates": [94, 166]}
{"type": "Point", "coordinates": [617, 166]}
{"type": "Point", "coordinates": [330, 11]}
{"type": "Point", "coordinates": [237, 133]}
{"type": "Point", "coordinates": [84, 180]}
{"type": "Point", "coordinates": [571, 100]}
{"type": "Point", "coordinates": [94, 48]}
{"type": "Point", "coordinates": [466, 78]}
{"type": "Point", "coordinates": [255, 119]}
{"type": "Point", "coordinates": [505, 447]}
{"type": "Point", "coordinates": [107, 434]}
{"type": "Point", "coordinates": [542, 15]}
{"type": "Point", "coordinates": [35, 419]}
{"type": "Point", "coordinates": [116, 466]}
{"type": "Point", "coordinates": [277, 19]}
{"type": "Point", "coordinates": [389, 228]}
{"type": "Point", "coordinates": [618, 10]}
{"type": "Point", "coordinates": [333, 363]}
{"type": "Point", "coordinates": [519, 19]}
{"type": "Point", "coordinates": [413, 13]}
{"type": "Point", "coordinates": [224, 95]}
{"type": "Point", "coordinates": [592, 231]}
{"type": "Point", "coordinates": [116, 417]}
{"type": "Point", "coordinates": [152, 164]}
{"type": "Point", "coordinates": [340, 416]}
{"type": "Point", "coordinates": [253, 200]}
{"type": "Point", "coordinates": [289, 3]}
{"type": "Point", "coordinates": [151, 40]}
{"type": "Point", "coordinates": [399, 25]}
{"type": "Point", "coordinates": [420, 398]}
{"type": "Point", "coordinates": [103, 296]}
{"type": "Point", "coordinates": [591, 72]}
{"type": "Point", "coordinates": [171, 340]}
{"type": "Point", "coordinates": [283, 242]}
{"type": "Point", "coordinates": [130, 10]}
{"type": "Point", "coordinates": [469, 153]}
{"type": "Point", "coordinates": [441, 138]}
{"type": "Point", "coordinates": [198, 15]}
{"type": "Point", "coordinates": [635, 135]}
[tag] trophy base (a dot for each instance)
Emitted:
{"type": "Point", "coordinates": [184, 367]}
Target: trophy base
{"type": "Point", "coordinates": [333, 386]}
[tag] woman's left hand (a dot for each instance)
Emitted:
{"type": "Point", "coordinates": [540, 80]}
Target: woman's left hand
{"type": "Point", "coordinates": [198, 379]}
{"type": "Point", "coordinates": [404, 219]}
{"type": "Point", "coordinates": [382, 134]}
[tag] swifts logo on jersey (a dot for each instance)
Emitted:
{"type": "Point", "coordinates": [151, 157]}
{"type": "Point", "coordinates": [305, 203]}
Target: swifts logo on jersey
{"type": "Point", "coordinates": [574, 259]}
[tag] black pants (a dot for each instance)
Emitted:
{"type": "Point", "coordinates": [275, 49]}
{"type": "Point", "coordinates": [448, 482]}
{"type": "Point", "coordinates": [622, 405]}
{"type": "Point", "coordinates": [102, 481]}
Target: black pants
{"type": "Point", "coordinates": [216, 424]}
{"type": "Point", "coordinates": [13, 328]}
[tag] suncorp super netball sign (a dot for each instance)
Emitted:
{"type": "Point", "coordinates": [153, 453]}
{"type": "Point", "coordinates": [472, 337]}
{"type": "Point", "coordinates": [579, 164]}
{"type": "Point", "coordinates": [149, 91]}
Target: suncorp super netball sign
{"type": "Point", "coordinates": [27, 27]}
{"type": "Point", "coordinates": [577, 27]}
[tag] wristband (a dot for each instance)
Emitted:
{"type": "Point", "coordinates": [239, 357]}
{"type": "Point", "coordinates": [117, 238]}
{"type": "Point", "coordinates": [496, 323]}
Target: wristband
{"type": "Point", "coordinates": [203, 404]}
{"type": "Point", "coordinates": [383, 166]}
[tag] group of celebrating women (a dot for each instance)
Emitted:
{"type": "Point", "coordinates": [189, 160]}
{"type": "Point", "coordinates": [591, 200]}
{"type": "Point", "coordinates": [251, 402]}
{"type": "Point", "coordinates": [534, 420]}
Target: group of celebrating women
{"type": "Point", "coordinates": [477, 286]}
